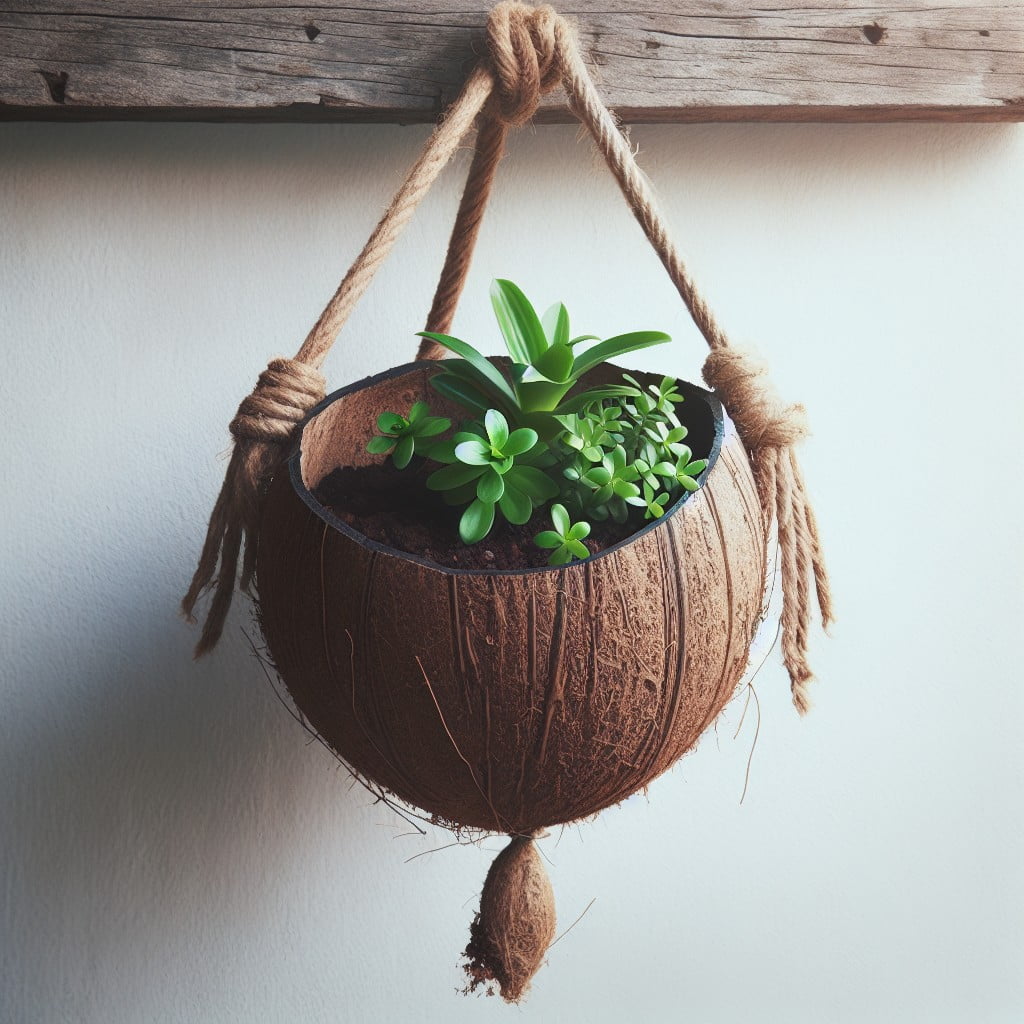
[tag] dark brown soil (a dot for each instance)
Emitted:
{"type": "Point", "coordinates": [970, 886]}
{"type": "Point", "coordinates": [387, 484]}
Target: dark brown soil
{"type": "Point", "coordinates": [394, 507]}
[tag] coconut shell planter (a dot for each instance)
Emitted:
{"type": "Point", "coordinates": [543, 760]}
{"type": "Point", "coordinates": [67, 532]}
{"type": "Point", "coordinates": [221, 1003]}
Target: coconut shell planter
{"type": "Point", "coordinates": [491, 691]}
{"type": "Point", "coordinates": [518, 699]}
{"type": "Point", "coordinates": [508, 700]}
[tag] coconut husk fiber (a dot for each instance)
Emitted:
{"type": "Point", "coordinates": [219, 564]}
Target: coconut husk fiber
{"type": "Point", "coordinates": [515, 924]}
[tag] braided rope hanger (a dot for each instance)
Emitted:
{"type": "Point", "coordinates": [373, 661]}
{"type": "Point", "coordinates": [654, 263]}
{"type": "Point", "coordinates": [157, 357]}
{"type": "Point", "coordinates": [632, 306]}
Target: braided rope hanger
{"type": "Point", "coordinates": [530, 50]}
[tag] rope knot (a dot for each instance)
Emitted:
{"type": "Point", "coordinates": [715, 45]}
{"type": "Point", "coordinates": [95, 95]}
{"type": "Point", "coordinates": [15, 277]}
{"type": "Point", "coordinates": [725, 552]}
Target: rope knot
{"type": "Point", "coordinates": [769, 429]}
{"type": "Point", "coordinates": [762, 420]}
{"type": "Point", "coordinates": [286, 390]}
{"type": "Point", "coordinates": [524, 47]}
{"type": "Point", "coordinates": [284, 394]}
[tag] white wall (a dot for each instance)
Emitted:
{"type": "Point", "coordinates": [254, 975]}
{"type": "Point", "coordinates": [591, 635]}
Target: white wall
{"type": "Point", "coordinates": [172, 849]}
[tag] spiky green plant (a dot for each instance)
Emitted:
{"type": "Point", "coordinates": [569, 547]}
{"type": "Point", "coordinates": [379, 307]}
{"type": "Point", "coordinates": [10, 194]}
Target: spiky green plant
{"type": "Point", "coordinates": [545, 364]}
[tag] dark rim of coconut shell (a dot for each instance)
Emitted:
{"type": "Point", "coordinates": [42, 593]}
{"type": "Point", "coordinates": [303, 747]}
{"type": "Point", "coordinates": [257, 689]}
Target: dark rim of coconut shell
{"type": "Point", "coordinates": [690, 391]}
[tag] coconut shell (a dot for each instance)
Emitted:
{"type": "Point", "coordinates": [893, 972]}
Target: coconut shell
{"type": "Point", "coordinates": [508, 700]}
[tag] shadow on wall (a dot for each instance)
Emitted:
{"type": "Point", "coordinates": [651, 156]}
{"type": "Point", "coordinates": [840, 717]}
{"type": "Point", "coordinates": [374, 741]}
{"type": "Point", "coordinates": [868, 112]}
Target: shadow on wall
{"type": "Point", "coordinates": [156, 811]}
{"type": "Point", "coordinates": [318, 160]}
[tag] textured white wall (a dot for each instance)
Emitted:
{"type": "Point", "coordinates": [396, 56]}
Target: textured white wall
{"type": "Point", "coordinates": [171, 847]}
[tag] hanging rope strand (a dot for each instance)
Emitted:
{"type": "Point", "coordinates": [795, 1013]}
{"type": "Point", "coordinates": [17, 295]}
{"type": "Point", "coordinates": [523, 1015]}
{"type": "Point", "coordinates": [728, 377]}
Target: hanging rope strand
{"type": "Point", "coordinates": [586, 103]}
{"type": "Point", "coordinates": [434, 158]}
{"type": "Point", "coordinates": [490, 147]}
{"type": "Point", "coordinates": [523, 57]}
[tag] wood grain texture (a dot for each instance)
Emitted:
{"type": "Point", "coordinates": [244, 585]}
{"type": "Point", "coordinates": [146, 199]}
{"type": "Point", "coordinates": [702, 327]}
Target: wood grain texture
{"type": "Point", "coordinates": [509, 701]}
{"type": "Point", "coordinates": [719, 60]}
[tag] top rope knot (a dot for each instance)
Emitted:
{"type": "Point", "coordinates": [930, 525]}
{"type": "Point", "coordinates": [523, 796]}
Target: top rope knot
{"type": "Point", "coordinates": [524, 47]}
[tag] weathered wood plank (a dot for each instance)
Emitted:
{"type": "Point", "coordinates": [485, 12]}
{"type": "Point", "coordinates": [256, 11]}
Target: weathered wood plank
{"type": "Point", "coordinates": [719, 60]}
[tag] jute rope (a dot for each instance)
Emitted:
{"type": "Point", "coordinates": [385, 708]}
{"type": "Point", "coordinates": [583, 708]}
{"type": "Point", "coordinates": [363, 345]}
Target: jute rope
{"type": "Point", "coordinates": [529, 51]}
{"type": "Point", "coordinates": [490, 147]}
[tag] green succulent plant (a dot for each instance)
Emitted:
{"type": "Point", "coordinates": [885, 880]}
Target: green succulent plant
{"type": "Point", "coordinates": [598, 454]}
{"type": "Point", "coordinates": [566, 539]}
{"type": "Point", "coordinates": [685, 469]}
{"type": "Point", "coordinates": [651, 501]}
{"type": "Point", "coordinates": [609, 483]}
{"type": "Point", "coordinates": [590, 434]}
{"type": "Point", "coordinates": [405, 436]}
{"type": "Point", "coordinates": [490, 467]}
{"type": "Point", "coordinates": [627, 452]}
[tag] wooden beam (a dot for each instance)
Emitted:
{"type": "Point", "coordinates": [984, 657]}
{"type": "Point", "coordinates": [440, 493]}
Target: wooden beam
{"type": "Point", "coordinates": [402, 60]}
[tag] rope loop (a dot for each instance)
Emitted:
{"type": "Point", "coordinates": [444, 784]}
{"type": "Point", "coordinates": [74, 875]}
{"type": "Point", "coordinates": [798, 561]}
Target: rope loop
{"type": "Point", "coordinates": [524, 49]}
{"type": "Point", "coordinates": [284, 394]}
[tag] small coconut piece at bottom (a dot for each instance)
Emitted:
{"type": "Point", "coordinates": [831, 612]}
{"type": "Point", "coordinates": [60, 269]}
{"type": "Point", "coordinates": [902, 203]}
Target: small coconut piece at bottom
{"type": "Point", "coordinates": [515, 924]}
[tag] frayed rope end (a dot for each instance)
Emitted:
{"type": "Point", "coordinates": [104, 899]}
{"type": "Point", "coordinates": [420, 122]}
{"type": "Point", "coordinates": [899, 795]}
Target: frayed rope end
{"type": "Point", "coordinates": [266, 420]}
{"type": "Point", "coordinates": [769, 431]}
